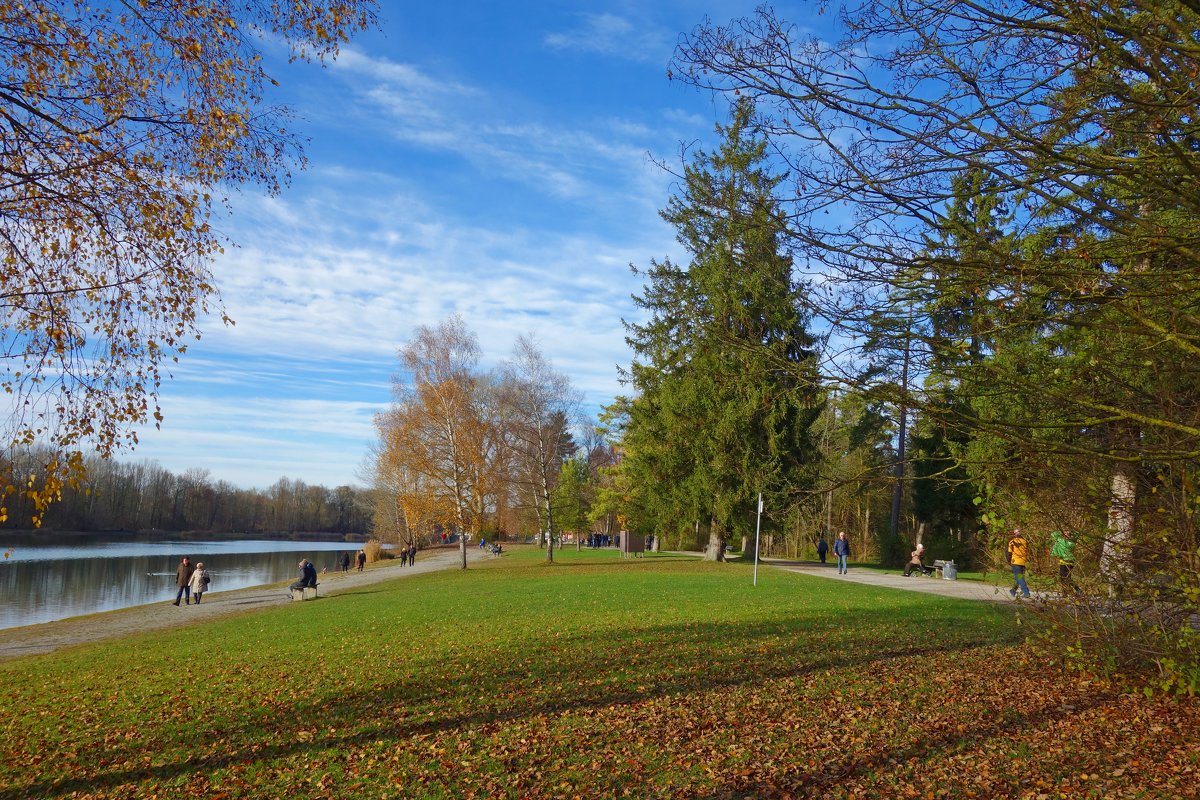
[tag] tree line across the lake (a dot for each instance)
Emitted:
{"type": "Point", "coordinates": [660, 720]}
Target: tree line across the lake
{"type": "Point", "coordinates": [143, 495]}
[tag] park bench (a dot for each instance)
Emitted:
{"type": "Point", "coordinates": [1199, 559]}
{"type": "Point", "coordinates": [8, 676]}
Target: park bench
{"type": "Point", "coordinates": [943, 567]}
{"type": "Point", "coordinates": [302, 594]}
{"type": "Point", "coordinates": [946, 569]}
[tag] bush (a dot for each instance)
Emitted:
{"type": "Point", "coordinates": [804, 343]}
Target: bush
{"type": "Point", "coordinates": [373, 548]}
{"type": "Point", "coordinates": [1143, 635]}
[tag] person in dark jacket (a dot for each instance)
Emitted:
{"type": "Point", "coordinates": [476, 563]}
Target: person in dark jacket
{"type": "Point", "coordinates": [183, 580]}
{"type": "Point", "coordinates": [841, 549]}
{"type": "Point", "coordinates": [822, 548]}
{"type": "Point", "coordinates": [362, 560]}
{"type": "Point", "coordinates": [308, 576]}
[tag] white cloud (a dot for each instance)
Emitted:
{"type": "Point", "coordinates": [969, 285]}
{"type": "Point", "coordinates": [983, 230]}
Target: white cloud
{"type": "Point", "coordinates": [567, 162]}
{"type": "Point", "coordinates": [251, 442]}
{"type": "Point", "coordinates": [612, 35]}
{"type": "Point", "coordinates": [331, 278]}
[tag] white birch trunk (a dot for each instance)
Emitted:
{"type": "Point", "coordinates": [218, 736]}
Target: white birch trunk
{"type": "Point", "coordinates": [1114, 559]}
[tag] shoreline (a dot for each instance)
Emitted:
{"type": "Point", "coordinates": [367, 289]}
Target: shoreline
{"type": "Point", "coordinates": [47, 637]}
{"type": "Point", "coordinates": [43, 536]}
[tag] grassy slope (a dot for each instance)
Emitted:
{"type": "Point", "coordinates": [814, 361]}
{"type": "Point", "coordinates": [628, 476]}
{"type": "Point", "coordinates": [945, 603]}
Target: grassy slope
{"type": "Point", "coordinates": [659, 677]}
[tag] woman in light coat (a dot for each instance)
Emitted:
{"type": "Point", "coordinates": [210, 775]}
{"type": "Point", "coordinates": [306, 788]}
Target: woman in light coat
{"type": "Point", "coordinates": [200, 581]}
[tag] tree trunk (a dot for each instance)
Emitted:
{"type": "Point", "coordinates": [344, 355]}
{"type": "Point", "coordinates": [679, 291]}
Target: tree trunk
{"type": "Point", "coordinates": [898, 491]}
{"type": "Point", "coordinates": [866, 535]}
{"type": "Point", "coordinates": [715, 550]}
{"type": "Point", "coordinates": [1115, 558]}
{"type": "Point", "coordinates": [549, 516]}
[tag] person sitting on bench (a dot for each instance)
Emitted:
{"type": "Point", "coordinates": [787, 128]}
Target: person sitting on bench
{"type": "Point", "coordinates": [497, 549]}
{"type": "Point", "coordinates": [914, 563]}
{"type": "Point", "coordinates": [308, 576]}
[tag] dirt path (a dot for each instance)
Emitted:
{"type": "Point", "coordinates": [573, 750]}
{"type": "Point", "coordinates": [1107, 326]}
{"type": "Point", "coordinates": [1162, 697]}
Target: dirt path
{"type": "Point", "coordinates": [964, 590]}
{"type": "Point", "coordinates": [50, 636]}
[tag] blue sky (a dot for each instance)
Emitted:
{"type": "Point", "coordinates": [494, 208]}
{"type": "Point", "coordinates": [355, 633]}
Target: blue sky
{"type": "Point", "coordinates": [481, 158]}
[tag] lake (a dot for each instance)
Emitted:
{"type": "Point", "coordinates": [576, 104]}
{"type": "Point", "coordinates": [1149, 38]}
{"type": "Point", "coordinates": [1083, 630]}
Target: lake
{"type": "Point", "coordinates": [48, 581]}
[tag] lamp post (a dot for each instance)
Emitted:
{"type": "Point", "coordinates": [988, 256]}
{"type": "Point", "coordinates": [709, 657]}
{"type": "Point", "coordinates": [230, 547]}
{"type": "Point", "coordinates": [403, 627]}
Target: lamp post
{"type": "Point", "coordinates": [757, 527]}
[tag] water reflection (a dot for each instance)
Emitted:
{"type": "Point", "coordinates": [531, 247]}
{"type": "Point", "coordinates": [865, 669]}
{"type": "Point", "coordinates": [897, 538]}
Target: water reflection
{"type": "Point", "coordinates": [44, 583]}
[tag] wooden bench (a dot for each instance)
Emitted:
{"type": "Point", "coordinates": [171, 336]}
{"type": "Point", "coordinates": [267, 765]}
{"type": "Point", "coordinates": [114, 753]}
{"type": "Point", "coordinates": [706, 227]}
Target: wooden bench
{"type": "Point", "coordinates": [941, 566]}
{"type": "Point", "coordinates": [302, 594]}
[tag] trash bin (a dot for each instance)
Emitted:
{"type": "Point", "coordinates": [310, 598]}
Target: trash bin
{"type": "Point", "coordinates": [950, 572]}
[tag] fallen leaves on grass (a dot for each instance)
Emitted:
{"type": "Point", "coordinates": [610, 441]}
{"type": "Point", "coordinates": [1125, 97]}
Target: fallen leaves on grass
{"type": "Point", "coordinates": [782, 701]}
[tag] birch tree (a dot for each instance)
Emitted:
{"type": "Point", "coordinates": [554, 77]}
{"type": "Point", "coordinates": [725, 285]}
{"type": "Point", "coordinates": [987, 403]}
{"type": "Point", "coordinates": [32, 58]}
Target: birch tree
{"type": "Point", "coordinates": [443, 425]}
{"type": "Point", "coordinates": [538, 403]}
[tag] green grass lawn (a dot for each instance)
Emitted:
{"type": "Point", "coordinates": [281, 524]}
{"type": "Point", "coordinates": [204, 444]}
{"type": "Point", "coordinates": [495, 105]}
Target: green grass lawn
{"type": "Point", "coordinates": [594, 677]}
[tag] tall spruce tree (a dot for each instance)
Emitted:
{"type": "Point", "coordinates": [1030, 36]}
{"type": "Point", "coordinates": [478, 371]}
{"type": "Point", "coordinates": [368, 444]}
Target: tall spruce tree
{"type": "Point", "coordinates": [974, 235]}
{"type": "Point", "coordinates": [726, 386]}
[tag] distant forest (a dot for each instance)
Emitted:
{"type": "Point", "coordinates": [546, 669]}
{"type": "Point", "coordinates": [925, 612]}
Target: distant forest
{"type": "Point", "coordinates": [145, 496]}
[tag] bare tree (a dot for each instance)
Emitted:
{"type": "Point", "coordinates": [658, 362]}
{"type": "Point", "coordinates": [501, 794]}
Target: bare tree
{"type": "Point", "coordinates": [538, 405]}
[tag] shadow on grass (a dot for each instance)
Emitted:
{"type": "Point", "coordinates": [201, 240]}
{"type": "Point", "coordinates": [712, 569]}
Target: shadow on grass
{"type": "Point", "coordinates": [634, 665]}
{"type": "Point", "coordinates": [929, 749]}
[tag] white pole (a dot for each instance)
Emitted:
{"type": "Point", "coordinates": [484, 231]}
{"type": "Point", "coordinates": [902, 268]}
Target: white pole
{"type": "Point", "coordinates": [757, 527]}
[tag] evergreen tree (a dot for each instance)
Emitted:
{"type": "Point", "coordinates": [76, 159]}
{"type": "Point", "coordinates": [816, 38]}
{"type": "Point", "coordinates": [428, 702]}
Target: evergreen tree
{"type": "Point", "coordinates": [725, 377]}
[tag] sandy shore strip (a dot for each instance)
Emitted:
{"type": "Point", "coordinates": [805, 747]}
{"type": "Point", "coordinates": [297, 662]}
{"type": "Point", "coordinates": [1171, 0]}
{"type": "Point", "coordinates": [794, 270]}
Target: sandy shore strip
{"type": "Point", "coordinates": [50, 636]}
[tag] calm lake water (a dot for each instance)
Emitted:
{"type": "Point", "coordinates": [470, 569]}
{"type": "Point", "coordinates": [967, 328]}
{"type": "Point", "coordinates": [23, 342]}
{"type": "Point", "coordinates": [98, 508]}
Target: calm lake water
{"type": "Point", "coordinates": [44, 582]}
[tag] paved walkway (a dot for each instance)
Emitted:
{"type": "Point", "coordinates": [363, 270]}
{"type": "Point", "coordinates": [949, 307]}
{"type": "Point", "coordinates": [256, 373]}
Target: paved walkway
{"type": "Point", "coordinates": [50, 636]}
{"type": "Point", "coordinates": [962, 589]}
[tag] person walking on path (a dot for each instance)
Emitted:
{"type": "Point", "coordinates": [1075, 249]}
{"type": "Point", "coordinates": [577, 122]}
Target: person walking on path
{"type": "Point", "coordinates": [345, 562]}
{"type": "Point", "coordinates": [1018, 556]}
{"type": "Point", "coordinates": [822, 548]}
{"type": "Point", "coordinates": [199, 582]}
{"type": "Point", "coordinates": [183, 580]}
{"type": "Point", "coordinates": [362, 559]}
{"type": "Point", "coordinates": [412, 554]}
{"type": "Point", "coordinates": [404, 556]}
{"type": "Point", "coordinates": [841, 549]}
{"type": "Point", "coordinates": [1062, 547]}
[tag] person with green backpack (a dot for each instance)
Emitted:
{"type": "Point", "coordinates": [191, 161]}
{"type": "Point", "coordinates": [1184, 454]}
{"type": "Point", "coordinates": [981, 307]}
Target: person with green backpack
{"type": "Point", "coordinates": [1062, 547]}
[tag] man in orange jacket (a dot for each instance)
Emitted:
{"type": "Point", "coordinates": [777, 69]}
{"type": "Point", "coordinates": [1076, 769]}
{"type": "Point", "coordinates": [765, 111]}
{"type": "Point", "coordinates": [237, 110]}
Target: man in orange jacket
{"type": "Point", "coordinates": [1018, 555]}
